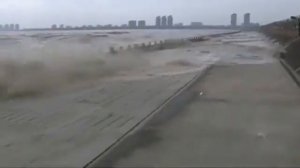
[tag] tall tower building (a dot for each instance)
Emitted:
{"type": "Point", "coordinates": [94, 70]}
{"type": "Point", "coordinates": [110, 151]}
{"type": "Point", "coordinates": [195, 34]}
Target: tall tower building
{"type": "Point", "coordinates": [132, 24]}
{"type": "Point", "coordinates": [170, 21]}
{"type": "Point", "coordinates": [141, 23]}
{"type": "Point", "coordinates": [247, 19]}
{"type": "Point", "coordinates": [6, 27]}
{"type": "Point", "coordinates": [61, 26]}
{"type": "Point", "coordinates": [11, 27]}
{"type": "Point", "coordinates": [158, 21]}
{"type": "Point", "coordinates": [17, 27]}
{"type": "Point", "coordinates": [164, 21]}
{"type": "Point", "coordinates": [54, 27]}
{"type": "Point", "coordinates": [234, 20]}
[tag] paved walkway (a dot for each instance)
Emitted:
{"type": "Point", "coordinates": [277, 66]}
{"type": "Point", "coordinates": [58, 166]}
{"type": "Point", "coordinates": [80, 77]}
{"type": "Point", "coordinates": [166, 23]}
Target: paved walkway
{"type": "Point", "coordinates": [248, 115]}
{"type": "Point", "coordinates": [71, 130]}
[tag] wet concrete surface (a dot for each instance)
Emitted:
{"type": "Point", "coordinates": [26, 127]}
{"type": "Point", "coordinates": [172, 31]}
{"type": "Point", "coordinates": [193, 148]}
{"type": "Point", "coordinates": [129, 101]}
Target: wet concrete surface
{"type": "Point", "coordinates": [71, 128]}
{"type": "Point", "coordinates": [242, 121]}
{"type": "Point", "coordinates": [236, 115]}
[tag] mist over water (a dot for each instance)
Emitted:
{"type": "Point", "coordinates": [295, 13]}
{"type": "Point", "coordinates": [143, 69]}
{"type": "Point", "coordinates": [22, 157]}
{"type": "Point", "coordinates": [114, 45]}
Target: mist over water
{"type": "Point", "coordinates": [33, 63]}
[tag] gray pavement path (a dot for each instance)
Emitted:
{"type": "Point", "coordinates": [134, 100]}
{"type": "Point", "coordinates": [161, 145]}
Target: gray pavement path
{"type": "Point", "coordinates": [247, 115]}
{"type": "Point", "coordinates": [72, 129]}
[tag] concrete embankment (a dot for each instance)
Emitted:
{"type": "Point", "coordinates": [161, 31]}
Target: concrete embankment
{"type": "Point", "coordinates": [238, 122]}
{"type": "Point", "coordinates": [291, 61]}
{"type": "Point", "coordinates": [242, 114]}
{"type": "Point", "coordinates": [73, 127]}
{"type": "Point", "coordinates": [282, 31]}
{"type": "Point", "coordinates": [285, 33]}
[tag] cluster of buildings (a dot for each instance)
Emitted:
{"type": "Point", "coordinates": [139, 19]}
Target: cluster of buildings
{"type": "Point", "coordinates": [160, 22]}
{"type": "Point", "coordinates": [163, 22]}
{"type": "Point", "coordinates": [10, 27]}
{"type": "Point", "coordinates": [60, 27]}
{"type": "Point", "coordinates": [246, 23]}
{"type": "Point", "coordinates": [136, 24]}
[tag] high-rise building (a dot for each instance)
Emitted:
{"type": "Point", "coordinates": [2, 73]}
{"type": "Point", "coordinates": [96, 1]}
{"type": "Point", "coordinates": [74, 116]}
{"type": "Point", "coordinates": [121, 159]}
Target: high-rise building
{"type": "Point", "coordinates": [11, 27]}
{"type": "Point", "coordinates": [6, 27]}
{"type": "Point", "coordinates": [234, 20]}
{"type": "Point", "coordinates": [141, 23]}
{"type": "Point", "coordinates": [61, 26]}
{"type": "Point", "coordinates": [54, 26]}
{"type": "Point", "coordinates": [17, 27]}
{"type": "Point", "coordinates": [158, 21]}
{"type": "Point", "coordinates": [170, 21]}
{"type": "Point", "coordinates": [1, 27]}
{"type": "Point", "coordinates": [164, 21]}
{"type": "Point", "coordinates": [247, 19]}
{"type": "Point", "coordinates": [132, 24]}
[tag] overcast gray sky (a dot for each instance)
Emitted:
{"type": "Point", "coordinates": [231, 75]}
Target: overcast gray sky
{"type": "Point", "coordinates": [43, 13]}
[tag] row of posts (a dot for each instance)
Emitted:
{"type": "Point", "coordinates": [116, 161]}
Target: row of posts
{"type": "Point", "coordinates": [161, 45]}
{"type": "Point", "coordinates": [151, 46]}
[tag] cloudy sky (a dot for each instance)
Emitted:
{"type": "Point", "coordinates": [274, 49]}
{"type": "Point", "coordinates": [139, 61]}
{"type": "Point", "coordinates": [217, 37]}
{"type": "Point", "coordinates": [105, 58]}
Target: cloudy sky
{"type": "Point", "coordinates": [43, 13]}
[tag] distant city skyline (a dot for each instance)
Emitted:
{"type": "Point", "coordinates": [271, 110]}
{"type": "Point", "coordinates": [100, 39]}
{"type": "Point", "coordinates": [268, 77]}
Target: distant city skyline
{"type": "Point", "coordinates": [44, 13]}
{"type": "Point", "coordinates": [9, 27]}
{"type": "Point", "coordinates": [162, 22]}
